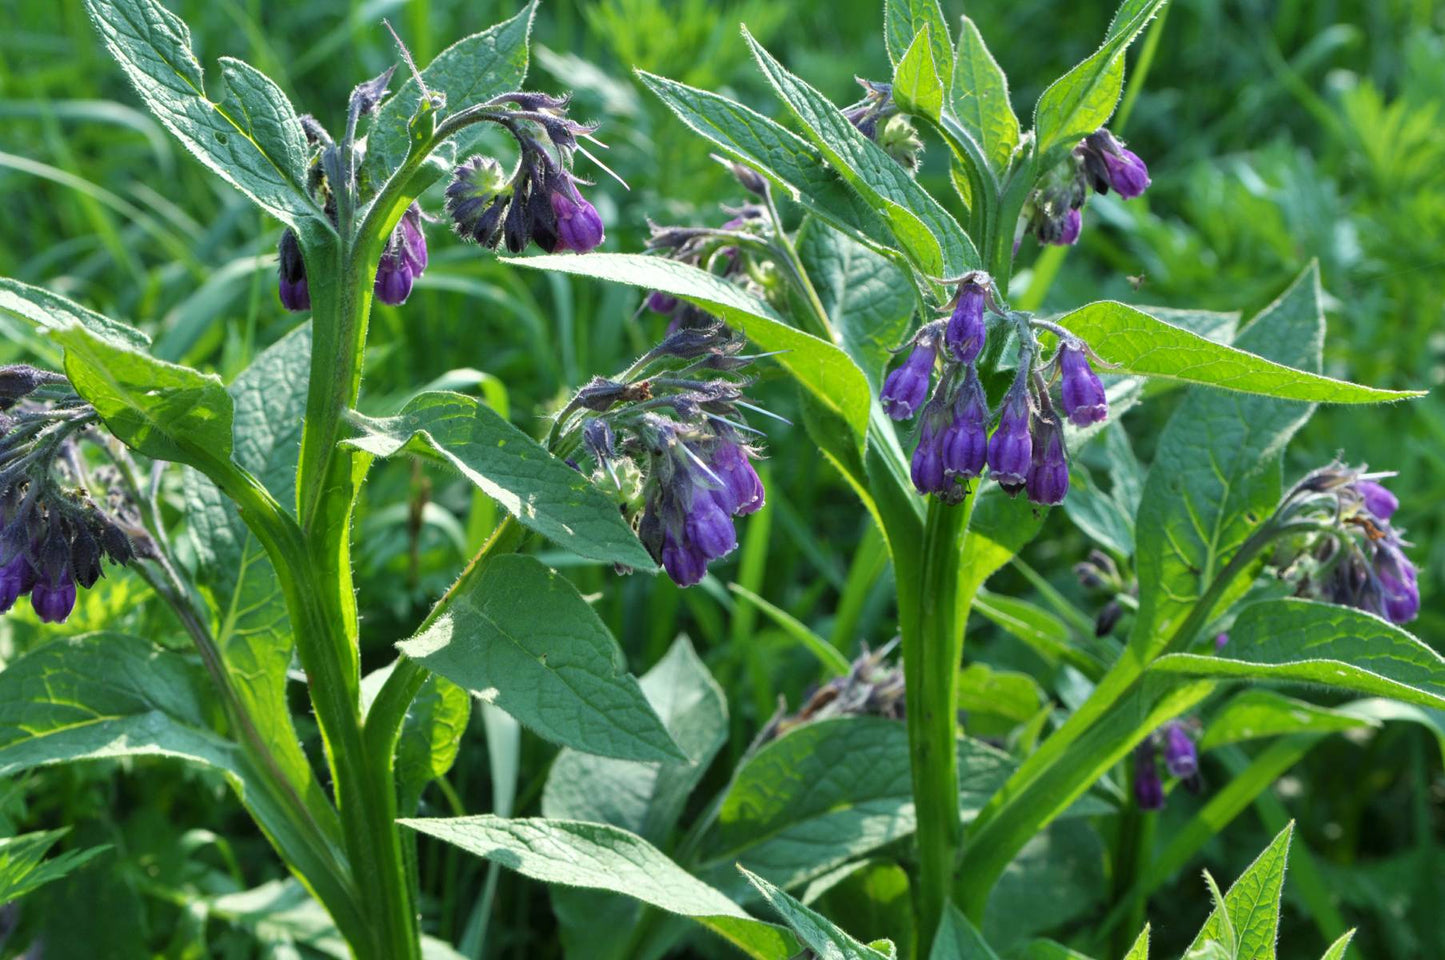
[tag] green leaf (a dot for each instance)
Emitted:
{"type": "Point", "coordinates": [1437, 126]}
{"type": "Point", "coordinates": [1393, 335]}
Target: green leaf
{"type": "Point", "coordinates": [1253, 904]}
{"type": "Point", "coordinates": [916, 86]}
{"type": "Point", "coordinates": [833, 662]}
{"type": "Point", "coordinates": [647, 798]}
{"type": "Point", "coordinates": [601, 857]}
{"type": "Point", "coordinates": [1337, 949]}
{"type": "Point", "coordinates": [542, 492]}
{"type": "Point", "coordinates": [1063, 866]}
{"type": "Point", "coordinates": [813, 928]}
{"type": "Point", "coordinates": [431, 734]}
{"type": "Point", "coordinates": [249, 618]}
{"type": "Point", "coordinates": [1037, 628]}
{"type": "Point", "coordinates": [867, 298]}
{"type": "Point", "coordinates": [521, 637]}
{"type": "Point", "coordinates": [470, 71]}
{"type": "Point", "coordinates": [1140, 949]}
{"type": "Point", "coordinates": [1082, 100]}
{"type": "Point", "coordinates": [778, 153]}
{"type": "Point", "coordinates": [979, 99]}
{"type": "Point", "coordinates": [165, 411]}
{"type": "Point", "coordinates": [999, 527]}
{"type": "Point", "coordinates": [904, 20]}
{"type": "Point", "coordinates": [1010, 694]}
{"type": "Point", "coordinates": [1303, 641]}
{"type": "Point", "coordinates": [1253, 714]}
{"type": "Point", "coordinates": [931, 237]}
{"type": "Point", "coordinates": [24, 869]}
{"type": "Point", "coordinates": [820, 367]}
{"type": "Point", "coordinates": [50, 311]}
{"type": "Point", "coordinates": [1217, 471]}
{"type": "Point", "coordinates": [957, 939]}
{"type": "Point", "coordinates": [253, 141]}
{"type": "Point", "coordinates": [1137, 343]}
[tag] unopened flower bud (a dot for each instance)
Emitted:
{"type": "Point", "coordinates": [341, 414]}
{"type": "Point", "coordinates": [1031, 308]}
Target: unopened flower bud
{"type": "Point", "coordinates": [1377, 499]}
{"type": "Point", "coordinates": [16, 579]}
{"type": "Point", "coordinates": [964, 335]}
{"type": "Point", "coordinates": [53, 600]}
{"type": "Point", "coordinates": [926, 468]}
{"type": "Point", "coordinates": [965, 439]}
{"type": "Point", "coordinates": [1148, 788]}
{"type": "Point", "coordinates": [1108, 618]}
{"type": "Point", "coordinates": [1048, 478]}
{"type": "Point", "coordinates": [906, 388]}
{"type": "Point", "coordinates": [1220, 642]}
{"type": "Point", "coordinates": [579, 226]}
{"type": "Point", "coordinates": [1180, 755]}
{"type": "Point", "coordinates": [1082, 390]}
{"type": "Point", "coordinates": [1397, 579]}
{"type": "Point", "coordinates": [295, 295]}
{"type": "Point", "coordinates": [659, 302]}
{"type": "Point", "coordinates": [1010, 449]}
{"type": "Point", "coordinates": [1067, 229]}
{"type": "Point", "coordinates": [393, 278]}
{"type": "Point", "coordinates": [683, 561]}
{"type": "Point", "coordinates": [1111, 166]}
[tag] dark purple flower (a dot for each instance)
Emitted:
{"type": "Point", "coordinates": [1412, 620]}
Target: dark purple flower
{"type": "Point", "coordinates": [1082, 390]}
{"type": "Point", "coordinates": [579, 226]}
{"type": "Point", "coordinates": [1398, 582]}
{"type": "Point", "coordinates": [927, 466]}
{"type": "Point", "coordinates": [1010, 449]}
{"type": "Point", "coordinates": [1148, 788]}
{"type": "Point", "coordinates": [708, 527]}
{"type": "Point", "coordinates": [16, 580]}
{"type": "Point", "coordinates": [1048, 479]}
{"type": "Point", "coordinates": [964, 335]}
{"type": "Point", "coordinates": [1069, 226]}
{"type": "Point", "coordinates": [1220, 642]}
{"type": "Point", "coordinates": [1378, 500]}
{"type": "Point", "coordinates": [659, 302]}
{"type": "Point", "coordinates": [682, 560]}
{"type": "Point", "coordinates": [742, 490]}
{"type": "Point", "coordinates": [965, 439]}
{"type": "Point", "coordinates": [393, 278]}
{"type": "Point", "coordinates": [907, 387]}
{"type": "Point", "coordinates": [1109, 165]}
{"type": "Point", "coordinates": [1180, 755]}
{"type": "Point", "coordinates": [53, 601]}
{"type": "Point", "coordinates": [413, 240]}
{"type": "Point", "coordinates": [295, 295]}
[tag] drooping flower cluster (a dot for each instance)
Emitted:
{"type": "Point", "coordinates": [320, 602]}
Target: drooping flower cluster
{"type": "Point", "coordinates": [877, 117]}
{"type": "Point", "coordinates": [1175, 742]}
{"type": "Point", "coordinates": [670, 438]}
{"type": "Point", "coordinates": [1026, 449]}
{"type": "Point", "coordinates": [540, 202]}
{"type": "Point", "coordinates": [1100, 162]}
{"type": "Point", "coordinates": [1352, 554]}
{"type": "Point", "coordinates": [872, 687]}
{"type": "Point", "coordinates": [53, 534]}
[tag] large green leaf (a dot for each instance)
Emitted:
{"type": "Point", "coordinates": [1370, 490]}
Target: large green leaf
{"type": "Point", "coordinates": [783, 156]}
{"type": "Point", "coordinates": [163, 410]}
{"type": "Point", "coordinates": [925, 230]}
{"type": "Point", "coordinates": [23, 867]}
{"type": "Point", "coordinates": [905, 20]}
{"type": "Point", "coordinates": [868, 299]}
{"type": "Point", "coordinates": [541, 491]}
{"type": "Point", "coordinates": [470, 71]}
{"type": "Point", "coordinates": [917, 87]}
{"type": "Point", "coordinates": [248, 611]}
{"type": "Point", "coordinates": [601, 857]}
{"type": "Point", "coordinates": [521, 637]}
{"type": "Point", "coordinates": [957, 939]}
{"type": "Point", "coordinates": [820, 367]}
{"type": "Point", "coordinates": [1253, 904]}
{"type": "Point", "coordinates": [50, 311]}
{"type": "Point", "coordinates": [1137, 343]}
{"type": "Point", "coordinates": [979, 99]}
{"type": "Point", "coordinates": [1253, 714]}
{"type": "Point", "coordinates": [1082, 100]}
{"type": "Point", "coordinates": [1303, 641]}
{"type": "Point", "coordinates": [1217, 471]}
{"type": "Point", "coordinates": [253, 141]}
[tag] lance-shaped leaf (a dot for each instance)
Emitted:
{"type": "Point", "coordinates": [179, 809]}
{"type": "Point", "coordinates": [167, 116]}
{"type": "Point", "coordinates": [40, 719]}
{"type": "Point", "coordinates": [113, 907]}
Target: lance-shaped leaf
{"type": "Point", "coordinates": [1254, 714]}
{"type": "Point", "coordinates": [979, 99]}
{"type": "Point", "coordinates": [521, 637]}
{"type": "Point", "coordinates": [775, 151]}
{"type": "Point", "coordinates": [1303, 641]}
{"type": "Point", "coordinates": [1135, 342]}
{"type": "Point", "coordinates": [1140, 949]}
{"type": "Point", "coordinates": [957, 939]}
{"type": "Point", "coordinates": [925, 230]}
{"type": "Point", "coordinates": [917, 88]}
{"type": "Point", "coordinates": [814, 929]}
{"type": "Point", "coordinates": [50, 311]}
{"type": "Point", "coordinates": [164, 410]}
{"type": "Point", "coordinates": [1252, 904]}
{"type": "Point", "coordinates": [1217, 471]}
{"type": "Point", "coordinates": [1082, 100]}
{"type": "Point", "coordinates": [248, 611]}
{"type": "Point", "coordinates": [253, 140]}
{"type": "Point", "coordinates": [23, 867]}
{"type": "Point", "coordinates": [905, 20]}
{"type": "Point", "coordinates": [470, 71]}
{"type": "Point", "coordinates": [542, 492]}
{"type": "Point", "coordinates": [601, 857]}
{"type": "Point", "coordinates": [820, 367]}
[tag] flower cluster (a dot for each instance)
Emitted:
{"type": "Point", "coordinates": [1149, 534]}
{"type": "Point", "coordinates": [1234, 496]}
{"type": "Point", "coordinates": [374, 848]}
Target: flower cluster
{"type": "Point", "coordinates": [539, 202]}
{"type": "Point", "coordinates": [670, 438]}
{"type": "Point", "coordinates": [1026, 449]}
{"type": "Point", "coordinates": [872, 687]}
{"type": "Point", "coordinates": [877, 117]}
{"type": "Point", "coordinates": [53, 534]}
{"type": "Point", "coordinates": [1100, 162]}
{"type": "Point", "coordinates": [1352, 554]}
{"type": "Point", "coordinates": [1175, 742]}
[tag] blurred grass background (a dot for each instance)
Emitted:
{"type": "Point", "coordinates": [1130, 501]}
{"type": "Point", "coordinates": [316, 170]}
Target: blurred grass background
{"type": "Point", "coordinates": [1276, 131]}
